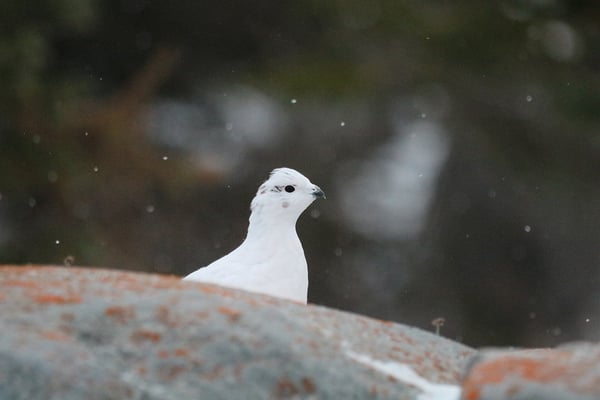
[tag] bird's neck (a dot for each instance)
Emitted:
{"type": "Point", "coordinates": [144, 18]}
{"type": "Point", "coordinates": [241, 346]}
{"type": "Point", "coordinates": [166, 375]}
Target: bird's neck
{"type": "Point", "coordinates": [272, 241]}
{"type": "Point", "coordinates": [271, 225]}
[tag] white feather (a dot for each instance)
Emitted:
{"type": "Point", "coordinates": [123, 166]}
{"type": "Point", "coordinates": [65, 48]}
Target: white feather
{"type": "Point", "coordinates": [271, 259]}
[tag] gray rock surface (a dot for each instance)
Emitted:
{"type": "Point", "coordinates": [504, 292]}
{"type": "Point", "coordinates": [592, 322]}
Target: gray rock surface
{"type": "Point", "coordinates": [74, 333]}
{"type": "Point", "coordinates": [569, 372]}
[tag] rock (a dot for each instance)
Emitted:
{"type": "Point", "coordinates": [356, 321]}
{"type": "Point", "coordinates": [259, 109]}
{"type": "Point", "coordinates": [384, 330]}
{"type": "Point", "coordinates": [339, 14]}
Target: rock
{"type": "Point", "coordinates": [75, 333]}
{"type": "Point", "coordinates": [570, 372]}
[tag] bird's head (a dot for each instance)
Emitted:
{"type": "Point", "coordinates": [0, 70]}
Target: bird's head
{"type": "Point", "coordinates": [285, 195]}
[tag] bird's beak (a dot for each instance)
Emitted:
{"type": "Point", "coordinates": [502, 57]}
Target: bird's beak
{"type": "Point", "coordinates": [317, 192]}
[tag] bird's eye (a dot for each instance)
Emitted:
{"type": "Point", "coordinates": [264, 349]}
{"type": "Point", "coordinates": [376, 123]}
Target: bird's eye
{"type": "Point", "coordinates": [289, 188]}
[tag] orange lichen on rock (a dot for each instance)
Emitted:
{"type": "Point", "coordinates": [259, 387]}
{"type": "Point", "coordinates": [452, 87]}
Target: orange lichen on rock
{"type": "Point", "coordinates": [21, 283]}
{"type": "Point", "coordinates": [174, 371]}
{"type": "Point", "coordinates": [285, 387]}
{"type": "Point", "coordinates": [57, 298]}
{"type": "Point", "coordinates": [495, 372]}
{"type": "Point", "coordinates": [541, 366]}
{"type": "Point", "coordinates": [55, 335]}
{"type": "Point", "coordinates": [308, 385]}
{"type": "Point", "coordinates": [214, 289]}
{"type": "Point", "coordinates": [163, 354]}
{"type": "Point", "coordinates": [181, 352]}
{"type": "Point", "coordinates": [119, 313]}
{"type": "Point", "coordinates": [178, 352]}
{"type": "Point", "coordinates": [134, 281]}
{"type": "Point", "coordinates": [144, 335]}
{"type": "Point", "coordinates": [231, 313]}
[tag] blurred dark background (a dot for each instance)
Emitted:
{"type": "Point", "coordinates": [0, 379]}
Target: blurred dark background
{"type": "Point", "coordinates": [458, 143]}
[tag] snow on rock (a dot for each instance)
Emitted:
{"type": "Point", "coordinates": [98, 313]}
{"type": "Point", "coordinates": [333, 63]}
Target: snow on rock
{"type": "Point", "coordinates": [405, 374]}
{"type": "Point", "coordinates": [74, 333]}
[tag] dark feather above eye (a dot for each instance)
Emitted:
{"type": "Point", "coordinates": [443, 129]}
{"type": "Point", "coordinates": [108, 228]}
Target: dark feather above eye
{"type": "Point", "coordinates": [288, 188]}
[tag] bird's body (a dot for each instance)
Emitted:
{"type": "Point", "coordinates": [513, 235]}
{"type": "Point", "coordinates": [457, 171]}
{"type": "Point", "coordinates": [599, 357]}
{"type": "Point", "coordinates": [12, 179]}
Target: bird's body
{"type": "Point", "coordinates": [271, 259]}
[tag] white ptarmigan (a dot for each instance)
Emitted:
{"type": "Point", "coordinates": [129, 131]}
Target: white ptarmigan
{"type": "Point", "coordinates": [271, 259]}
